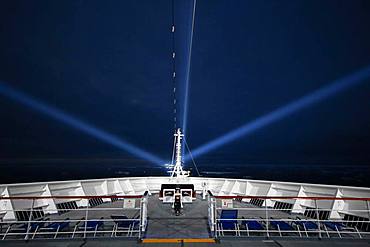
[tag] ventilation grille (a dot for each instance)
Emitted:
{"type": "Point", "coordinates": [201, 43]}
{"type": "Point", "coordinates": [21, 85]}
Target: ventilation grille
{"type": "Point", "coordinates": [93, 202]}
{"type": "Point", "coordinates": [311, 213]}
{"type": "Point", "coordinates": [66, 207]}
{"type": "Point", "coordinates": [114, 199]}
{"type": "Point", "coordinates": [256, 201]}
{"type": "Point", "coordinates": [37, 213]}
{"type": "Point", "coordinates": [283, 206]}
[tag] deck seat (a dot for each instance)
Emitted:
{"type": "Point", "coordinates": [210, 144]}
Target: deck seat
{"type": "Point", "coordinates": [340, 228]}
{"type": "Point", "coordinates": [31, 227]}
{"type": "Point", "coordinates": [281, 225]}
{"type": "Point", "coordinates": [228, 220]}
{"type": "Point", "coordinates": [92, 225]}
{"type": "Point", "coordinates": [122, 220]}
{"type": "Point", "coordinates": [34, 226]}
{"type": "Point", "coordinates": [306, 224]}
{"type": "Point", "coordinates": [23, 229]}
{"type": "Point", "coordinates": [55, 226]}
{"type": "Point", "coordinates": [337, 226]}
{"type": "Point", "coordinates": [88, 226]}
{"type": "Point", "coordinates": [122, 224]}
{"type": "Point", "coordinates": [253, 225]}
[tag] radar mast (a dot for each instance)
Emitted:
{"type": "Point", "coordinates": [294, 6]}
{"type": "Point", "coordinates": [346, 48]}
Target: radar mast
{"type": "Point", "coordinates": [177, 169]}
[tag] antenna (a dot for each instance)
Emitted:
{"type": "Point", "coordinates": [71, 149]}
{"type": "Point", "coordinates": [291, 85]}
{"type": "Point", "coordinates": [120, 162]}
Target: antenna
{"type": "Point", "coordinates": [177, 169]}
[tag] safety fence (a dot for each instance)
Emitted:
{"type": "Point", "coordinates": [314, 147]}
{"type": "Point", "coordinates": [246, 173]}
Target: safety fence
{"type": "Point", "coordinates": [299, 217]}
{"type": "Point", "coordinates": [74, 217]}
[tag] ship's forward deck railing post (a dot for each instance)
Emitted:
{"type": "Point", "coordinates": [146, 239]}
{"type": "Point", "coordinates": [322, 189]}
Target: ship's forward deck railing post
{"type": "Point", "coordinates": [212, 214]}
{"type": "Point", "coordinates": [251, 216]}
{"type": "Point", "coordinates": [86, 218]}
{"type": "Point", "coordinates": [143, 214]}
{"type": "Point", "coordinates": [368, 207]}
{"type": "Point", "coordinates": [29, 219]}
{"type": "Point", "coordinates": [267, 218]}
{"type": "Point", "coordinates": [318, 218]}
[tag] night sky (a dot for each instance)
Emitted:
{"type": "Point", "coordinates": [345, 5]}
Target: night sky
{"type": "Point", "coordinates": [109, 65]}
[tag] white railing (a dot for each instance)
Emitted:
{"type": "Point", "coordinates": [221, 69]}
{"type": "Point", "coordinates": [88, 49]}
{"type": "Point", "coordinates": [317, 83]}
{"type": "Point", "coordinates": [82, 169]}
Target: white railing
{"type": "Point", "coordinates": [211, 212]}
{"type": "Point", "coordinates": [119, 216]}
{"type": "Point", "coordinates": [243, 219]}
{"type": "Point", "coordinates": [143, 214]}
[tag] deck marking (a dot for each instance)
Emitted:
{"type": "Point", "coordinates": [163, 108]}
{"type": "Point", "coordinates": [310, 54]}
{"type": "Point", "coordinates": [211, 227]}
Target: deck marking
{"type": "Point", "coordinates": [178, 240]}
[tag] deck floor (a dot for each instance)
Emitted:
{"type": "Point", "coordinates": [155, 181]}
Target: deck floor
{"type": "Point", "coordinates": [162, 222]}
{"type": "Point", "coordinates": [222, 243]}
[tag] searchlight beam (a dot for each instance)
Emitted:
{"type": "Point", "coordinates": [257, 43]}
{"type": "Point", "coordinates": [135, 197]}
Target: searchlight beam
{"type": "Point", "coordinates": [71, 121]}
{"type": "Point", "coordinates": [325, 92]}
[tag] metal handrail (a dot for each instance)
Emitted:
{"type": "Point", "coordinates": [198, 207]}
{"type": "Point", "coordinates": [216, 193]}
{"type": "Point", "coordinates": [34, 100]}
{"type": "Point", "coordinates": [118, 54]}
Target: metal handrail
{"type": "Point", "coordinates": [296, 197]}
{"type": "Point", "coordinates": [26, 229]}
{"type": "Point", "coordinates": [270, 229]}
{"type": "Point", "coordinates": [67, 197]}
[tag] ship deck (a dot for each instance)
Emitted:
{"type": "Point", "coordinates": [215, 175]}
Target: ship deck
{"type": "Point", "coordinates": [221, 243]}
{"type": "Point", "coordinates": [188, 229]}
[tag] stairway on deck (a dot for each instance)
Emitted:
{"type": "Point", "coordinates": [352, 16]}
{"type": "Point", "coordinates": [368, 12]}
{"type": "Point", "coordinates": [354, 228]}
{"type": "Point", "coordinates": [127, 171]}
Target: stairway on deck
{"type": "Point", "coordinates": [162, 222]}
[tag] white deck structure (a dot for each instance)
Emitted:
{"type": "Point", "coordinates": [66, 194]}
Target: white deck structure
{"type": "Point", "coordinates": [218, 186]}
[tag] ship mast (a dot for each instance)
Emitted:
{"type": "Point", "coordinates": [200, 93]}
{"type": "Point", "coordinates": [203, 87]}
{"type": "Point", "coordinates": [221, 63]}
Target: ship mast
{"type": "Point", "coordinates": [177, 169]}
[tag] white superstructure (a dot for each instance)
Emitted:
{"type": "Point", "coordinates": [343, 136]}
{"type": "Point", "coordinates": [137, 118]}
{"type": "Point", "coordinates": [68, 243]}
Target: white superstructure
{"type": "Point", "coordinates": [218, 186]}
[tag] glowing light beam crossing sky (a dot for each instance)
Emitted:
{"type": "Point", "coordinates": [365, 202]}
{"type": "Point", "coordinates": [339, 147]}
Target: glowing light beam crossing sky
{"type": "Point", "coordinates": [320, 94]}
{"type": "Point", "coordinates": [186, 97]}
{"type": "Point", "coordinates": [71, 121]}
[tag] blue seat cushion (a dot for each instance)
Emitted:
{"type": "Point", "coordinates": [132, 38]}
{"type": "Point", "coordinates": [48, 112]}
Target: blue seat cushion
{"type": "Point", "coordinates": [94, 224]}
{"type": "Point", "coordinates": [253, 224]}
{"type": "Point", "coordinates": [309, 225]}
{"type": "Point", "coordinates": [229, 214]}
{"type": "Point", "coordinates": [123, 221]}
{"type": "Point", "coordinates": [60, 225]}
{"type": "Point", "coordinates": [334, 225]}
{"type": "Point", "coordinates": [227, 217]}
{"type": "Point", "coordinates": [282, 225]}
{"type": "Point", "coordinates": [33, 226]}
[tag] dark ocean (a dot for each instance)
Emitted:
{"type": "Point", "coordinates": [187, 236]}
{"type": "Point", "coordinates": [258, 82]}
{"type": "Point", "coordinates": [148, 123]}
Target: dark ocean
{"type": "Point", "coordinates": [54, 170]}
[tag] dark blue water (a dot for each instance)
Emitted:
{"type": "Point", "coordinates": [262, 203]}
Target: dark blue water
{"type": "Point", "coordinates": [52, 170]}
